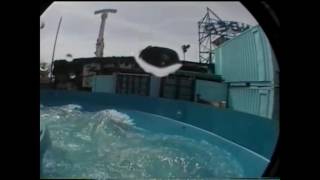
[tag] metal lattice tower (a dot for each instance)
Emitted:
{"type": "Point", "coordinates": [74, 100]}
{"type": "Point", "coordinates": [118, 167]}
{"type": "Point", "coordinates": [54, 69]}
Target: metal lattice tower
{"type": "Point", "coordinates": [213, 31]}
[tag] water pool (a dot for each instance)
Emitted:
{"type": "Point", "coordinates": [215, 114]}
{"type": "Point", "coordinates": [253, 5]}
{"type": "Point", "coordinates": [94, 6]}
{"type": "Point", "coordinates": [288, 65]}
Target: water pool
{"type": "Point", "coordinates": [244, 142]}
{"type": "Point", "coordinates": [129, 144]}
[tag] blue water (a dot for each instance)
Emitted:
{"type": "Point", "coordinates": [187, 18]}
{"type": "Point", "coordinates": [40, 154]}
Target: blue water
{"type": "Point", "coordinates": [128, 144]}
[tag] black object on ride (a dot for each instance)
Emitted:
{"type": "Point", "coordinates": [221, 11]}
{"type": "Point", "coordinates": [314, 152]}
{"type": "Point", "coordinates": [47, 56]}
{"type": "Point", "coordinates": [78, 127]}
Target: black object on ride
{"type": "Point", "coordinates": [159, 56]}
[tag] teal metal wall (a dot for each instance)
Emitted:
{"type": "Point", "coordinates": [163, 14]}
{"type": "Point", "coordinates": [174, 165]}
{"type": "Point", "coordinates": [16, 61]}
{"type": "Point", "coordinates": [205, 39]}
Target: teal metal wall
{"type": "Point", "coordinates": [247, 57]}
{"type": "Point", "coordinates": [211, 91]}
{"type": "Point", "coordinates": [155, 86]}
{"type": "Point", "coordinates": [178, 87]}
{"type": "Point", "coordinates": [103, 83]}
{"type": "Point", "coordinates": [253, 100]}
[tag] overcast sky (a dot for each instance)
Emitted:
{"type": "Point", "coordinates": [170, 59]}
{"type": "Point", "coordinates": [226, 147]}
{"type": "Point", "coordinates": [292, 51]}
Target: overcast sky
{"type": "Point", "coordinates": [135, 26]}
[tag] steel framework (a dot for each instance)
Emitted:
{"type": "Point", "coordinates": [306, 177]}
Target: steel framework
{"type": "Point", "coordinates": [213, 31]}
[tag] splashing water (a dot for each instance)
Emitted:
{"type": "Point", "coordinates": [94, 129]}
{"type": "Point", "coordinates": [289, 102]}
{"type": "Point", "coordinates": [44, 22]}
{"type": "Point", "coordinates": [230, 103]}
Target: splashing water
{"type": "Point", "coordinates": [107, 144]}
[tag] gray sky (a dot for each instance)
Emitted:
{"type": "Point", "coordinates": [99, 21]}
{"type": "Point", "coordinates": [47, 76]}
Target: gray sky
{"type": "Point", "coordinates": [135, 26]}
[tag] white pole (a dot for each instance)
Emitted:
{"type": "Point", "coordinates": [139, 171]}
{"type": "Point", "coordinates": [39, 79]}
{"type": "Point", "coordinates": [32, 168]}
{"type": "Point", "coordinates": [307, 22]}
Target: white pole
{"type": "Point", "coordinates": [54, 48]}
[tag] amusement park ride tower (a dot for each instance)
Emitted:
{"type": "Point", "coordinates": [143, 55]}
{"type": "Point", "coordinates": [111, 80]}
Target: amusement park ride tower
{"type": "Point", "coordinates": [213, 31]}
{"type": "Point", "coordinates": [100, 42]}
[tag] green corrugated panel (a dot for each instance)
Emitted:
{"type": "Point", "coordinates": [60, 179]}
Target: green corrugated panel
{"type": "Point", "coordinates": [253, 100]}
{"type": "Point", "coordinates": [247, 57]}
{"type": "Point", "coordinates": [208, 76]}
{"type": "Point", "coordinates": [155, 83]}
{"type": "Point", "coordinates": [103, 83]}
{"type": "Point", "coordinates": [211, 91]}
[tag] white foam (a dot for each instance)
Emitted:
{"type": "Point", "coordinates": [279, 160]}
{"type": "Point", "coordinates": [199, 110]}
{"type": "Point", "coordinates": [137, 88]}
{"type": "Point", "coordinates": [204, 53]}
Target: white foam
{"type": "Point", "coordinates": [114, 116]}
{"type": "Point", "coordinates": [119, 117]}
{"type": "Point", "coordinates": [71, 107]}
{"type": "Point", "coordinates": [107, 153]}
{"type": "Point", "coordinates": [157, 71]}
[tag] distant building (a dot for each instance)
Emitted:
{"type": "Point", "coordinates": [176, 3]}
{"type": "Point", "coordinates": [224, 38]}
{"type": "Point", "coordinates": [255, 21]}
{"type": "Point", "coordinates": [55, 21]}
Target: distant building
{"type": "Point", "coordinates": [80, 71]}
{"type": "Point", "coordinates": [122, 75]}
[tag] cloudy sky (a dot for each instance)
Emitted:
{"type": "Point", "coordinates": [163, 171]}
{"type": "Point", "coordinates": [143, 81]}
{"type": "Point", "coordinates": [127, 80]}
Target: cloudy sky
{"type": "Point", "coordinates": [135, 26]}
